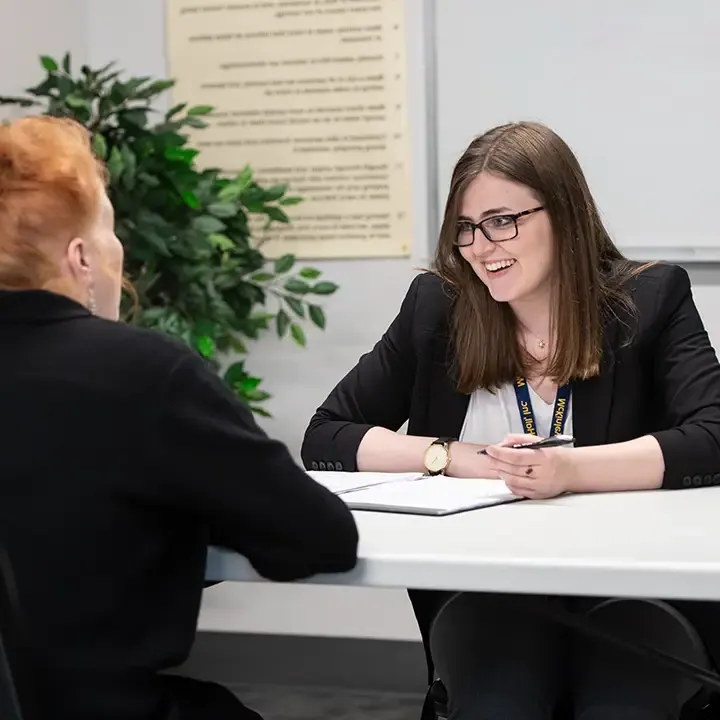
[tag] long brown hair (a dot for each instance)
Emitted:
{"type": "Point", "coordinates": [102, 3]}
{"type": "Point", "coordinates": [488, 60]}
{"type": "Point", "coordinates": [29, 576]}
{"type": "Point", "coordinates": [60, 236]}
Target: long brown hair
{"type": "Point", "coordinates": [591, 271]}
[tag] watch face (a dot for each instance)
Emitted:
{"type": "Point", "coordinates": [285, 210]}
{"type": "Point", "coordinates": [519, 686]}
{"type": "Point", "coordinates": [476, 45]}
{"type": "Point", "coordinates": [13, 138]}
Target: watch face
{"type": "Point", "coordinates": [436, 458]}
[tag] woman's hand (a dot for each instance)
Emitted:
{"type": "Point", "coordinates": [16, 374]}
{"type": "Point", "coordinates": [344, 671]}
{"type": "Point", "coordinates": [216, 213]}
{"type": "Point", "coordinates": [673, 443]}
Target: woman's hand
{"type": "Point", "coordinates": [536, 474]}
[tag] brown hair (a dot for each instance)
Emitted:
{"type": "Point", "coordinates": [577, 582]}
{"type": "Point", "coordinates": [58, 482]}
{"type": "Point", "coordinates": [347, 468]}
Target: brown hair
{"type": "Point", "coordinates": [591, 271]}
{"type": "Point", "coordinates": [50, 184]}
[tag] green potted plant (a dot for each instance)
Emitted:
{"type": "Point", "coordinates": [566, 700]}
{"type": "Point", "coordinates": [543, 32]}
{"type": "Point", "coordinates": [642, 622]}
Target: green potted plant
{"type": "Point", "coordinates": [198, 273]}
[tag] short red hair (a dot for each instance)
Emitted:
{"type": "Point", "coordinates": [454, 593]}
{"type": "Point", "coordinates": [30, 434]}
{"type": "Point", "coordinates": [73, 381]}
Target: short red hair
{"type": "Point", "coordinates": [50, 190]}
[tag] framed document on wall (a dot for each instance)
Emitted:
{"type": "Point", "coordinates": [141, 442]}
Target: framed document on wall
{"type": "Point", "coordinates": [311, 94]}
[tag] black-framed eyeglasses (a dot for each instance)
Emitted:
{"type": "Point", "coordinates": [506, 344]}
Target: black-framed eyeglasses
{"type": "Point", "coordinates": [497, 228]}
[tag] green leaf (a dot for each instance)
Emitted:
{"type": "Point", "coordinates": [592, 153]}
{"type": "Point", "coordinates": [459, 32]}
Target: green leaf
{"type": "Point", "coordinates": [245, 176]}
{"type": "Point", "coordinates": [260, 411]}
{"type": "Point", "coordinates": [298, 335]}
{"type": "Point", "coordinates": [200, 110]}
{"type": "Point", "coordinates": [66, 63]}
{"type": "Point", "coordinates": [208, 224]}
{"type": "Point", "coordinates": [19, 101]}
{"type": "Point", "coordinates": [275, 213]}
{"type": "Point", "coordinates": [324, 288]}
{"type": "Point", "coordinates": [194, 122]}
{"type": "Point", "coordinates": [284, 264]}
{"type": "Point", "coordinates": [297, 286]}
{"type": "Point", "coordinates": [76, 101]}
{"type": "Point", "coordinates": [48, 63]}
{"type": "Point", "coordinates": [205, 346]}
{"type": "Point", "coordinates": [247, 384]}
{"type": "Point", "coordinates": [181, 154]}
{"type": "Point", "coordinates": [237, 345]}
{"type": "Point", "coordinates": [129, 166]}
{"type": "Point", "coordinates": [282, 322]}
{"type": "Point", "coordinates": [296, 306]}
{"type": "Point", "coordinates": [291, 201]}
{"type": "Point", "coordinates": [223, 210]}
{"type": "Point", "coordinates": [235, 373]}
{"type": "Point", "coordinates": [115, 165]}
{"type": "Point", "coordinates": [317, 316]}
{"type": "Point", "coordinates": [221, 242]}
{"type": "Point", "coordinates": [274, 193]}
{"type": "Point", "coordinates": [256, 395]}
{"type": "Point", "coordinates": [310, 273]}
{"type": "Point", "coordinates": [230, 193]}
{"type": "Point", "coordinates": [100, 146]}
{"type": "Point", "coordinates": [190, 199]}
{"type": "Point", "coordinates": [174, 110]}
{"type": "Point", "coordinates": [136, 116]}
{"type": "Point", "coordinates": [155, 88]}
{"type": "Point", "coordinates": [262, 277]}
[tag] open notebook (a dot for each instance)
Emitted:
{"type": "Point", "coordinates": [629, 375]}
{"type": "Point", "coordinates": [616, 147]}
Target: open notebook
{"type": "Point", "coordinates": [414, 493]}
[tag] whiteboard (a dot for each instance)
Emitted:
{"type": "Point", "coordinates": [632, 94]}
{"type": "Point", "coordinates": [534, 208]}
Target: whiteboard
{"type": "Point", "coordinates": [632, 87]}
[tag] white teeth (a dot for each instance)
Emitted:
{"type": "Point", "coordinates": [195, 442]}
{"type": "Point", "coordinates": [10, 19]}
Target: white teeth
{"type": "Point", "coordinates": [499, 265]}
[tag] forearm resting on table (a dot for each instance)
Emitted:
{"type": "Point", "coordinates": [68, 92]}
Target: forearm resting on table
{"type": "Point", "coordinates": [382, 450]}
{"type": "Point", "coordinates": [633, 465]}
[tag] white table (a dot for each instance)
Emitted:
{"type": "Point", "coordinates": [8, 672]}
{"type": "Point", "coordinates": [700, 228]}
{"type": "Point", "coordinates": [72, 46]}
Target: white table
{"type": "Point", "coordinates": [663, 544]}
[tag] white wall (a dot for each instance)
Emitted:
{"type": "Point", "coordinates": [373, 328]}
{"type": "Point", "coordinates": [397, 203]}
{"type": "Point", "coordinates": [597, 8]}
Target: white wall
{"type": "Point", "coordinates": [132, 32]}
{"type": "Point", "coordinates": [30, 28]}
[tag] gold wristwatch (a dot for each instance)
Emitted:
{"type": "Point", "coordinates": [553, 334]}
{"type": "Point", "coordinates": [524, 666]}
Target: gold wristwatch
{"type": "Point", "coordinates": [437, 456]}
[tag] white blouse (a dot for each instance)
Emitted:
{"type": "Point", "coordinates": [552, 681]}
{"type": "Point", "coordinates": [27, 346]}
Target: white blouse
{"type": "Point", "coordinates": [491, 416]}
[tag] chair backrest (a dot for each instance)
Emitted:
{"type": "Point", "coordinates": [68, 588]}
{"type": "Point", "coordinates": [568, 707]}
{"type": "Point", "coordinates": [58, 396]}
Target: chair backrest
{"type": "Point", "coordinates": [18, 692]}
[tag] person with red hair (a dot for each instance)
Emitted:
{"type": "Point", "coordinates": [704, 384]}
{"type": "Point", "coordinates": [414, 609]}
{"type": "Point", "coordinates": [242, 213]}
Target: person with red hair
{"type": "Point", "coordinates": [123, 456]}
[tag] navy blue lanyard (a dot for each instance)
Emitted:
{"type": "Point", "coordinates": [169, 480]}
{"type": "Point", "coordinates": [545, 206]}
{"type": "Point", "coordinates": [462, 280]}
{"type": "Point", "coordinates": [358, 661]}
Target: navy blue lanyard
{"type": "Point", "coordinates": [527, 416]}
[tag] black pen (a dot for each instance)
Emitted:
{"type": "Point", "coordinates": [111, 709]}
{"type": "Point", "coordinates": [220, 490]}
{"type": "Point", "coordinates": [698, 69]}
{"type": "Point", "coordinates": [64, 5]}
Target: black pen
{"type": "Point", "coordinates": [552, 441]}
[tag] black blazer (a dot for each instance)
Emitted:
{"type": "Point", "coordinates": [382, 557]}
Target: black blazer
{"type": "Point", "coordinates": [122, 455]}
{"type": "Point", "coordinates": [659, 376]}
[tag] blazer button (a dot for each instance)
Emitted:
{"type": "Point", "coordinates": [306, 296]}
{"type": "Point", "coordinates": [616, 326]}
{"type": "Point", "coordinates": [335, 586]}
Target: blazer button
{"type": "Point", "coordinates": [322, 465]}
{"type": "Point", "coordinates": [716, 479]}
{"type": "Point", "coordinates": [331, 466]}
{"type": "Point", "coordinates": [687, 481]}
{"type": "Point", "coordinates": [697, 481]}
{"type": "Point", "coordinates": [707, 480]}
{"type": "Point", "coordinates": [313, 465]}
{"type": "Point", "coordinates": [339, 466]}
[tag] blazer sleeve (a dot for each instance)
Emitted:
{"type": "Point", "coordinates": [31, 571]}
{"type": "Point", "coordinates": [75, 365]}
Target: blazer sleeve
{"type": "Point", "coordinates": [686, 376]}
{"type": "Point", "coordinates": [219, 467]}
{"type": "Point", "coordinates": [376, 392]}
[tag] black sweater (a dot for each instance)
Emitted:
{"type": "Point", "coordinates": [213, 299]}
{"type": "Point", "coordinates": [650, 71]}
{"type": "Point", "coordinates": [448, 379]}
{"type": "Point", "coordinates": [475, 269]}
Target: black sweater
{"type": "Point", "coordinates": [122, 457]}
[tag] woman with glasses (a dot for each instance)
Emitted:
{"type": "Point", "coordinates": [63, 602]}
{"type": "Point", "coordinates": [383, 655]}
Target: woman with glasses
{"type": "Point", "coordinates": [533, 323]}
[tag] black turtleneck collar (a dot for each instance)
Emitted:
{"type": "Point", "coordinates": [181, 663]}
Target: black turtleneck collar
{"type": "Point", "coordinates": [38, 307]}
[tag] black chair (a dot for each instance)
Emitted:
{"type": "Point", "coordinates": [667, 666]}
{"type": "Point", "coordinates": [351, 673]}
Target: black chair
{"type": "Point", "coordinates": [18, 690]}
{"type": "Point", "coordinates": [436, 706]}
{"type": "Point", "coordinates": [705, 706]}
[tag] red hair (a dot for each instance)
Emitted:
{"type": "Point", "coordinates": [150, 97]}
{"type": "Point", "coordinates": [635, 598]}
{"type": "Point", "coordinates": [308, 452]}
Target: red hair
{"type": "Point", "coordinates": [50, 191]}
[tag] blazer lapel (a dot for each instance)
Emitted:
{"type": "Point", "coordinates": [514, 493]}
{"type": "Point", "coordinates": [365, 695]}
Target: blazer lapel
{"type": "Point", "coordinates": [592, 399]}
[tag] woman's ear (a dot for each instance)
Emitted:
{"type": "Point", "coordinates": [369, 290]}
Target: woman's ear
{"type": "Point", "coordinates": [77, 257]}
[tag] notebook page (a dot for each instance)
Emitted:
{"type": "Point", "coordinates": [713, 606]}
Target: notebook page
{"type": "Point", "coordinates": [440, 494]}
{"type": "Point", "coordinates": [342, 482]}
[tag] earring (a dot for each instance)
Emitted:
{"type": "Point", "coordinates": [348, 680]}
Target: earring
{"type": "Point", "coordinates": [92, 307]}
